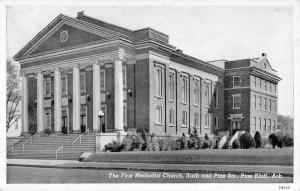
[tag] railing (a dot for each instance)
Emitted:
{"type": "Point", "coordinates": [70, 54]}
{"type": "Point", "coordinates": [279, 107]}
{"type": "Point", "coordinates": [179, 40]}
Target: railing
{"type": "Point", "coordinates": [10, 148]}
{"type": "Point", "coordinates": [79, 137]}
{"type": "Point", "coordinates": [60, 149]}
{"type": "Point", "coordinates": [30, 139]}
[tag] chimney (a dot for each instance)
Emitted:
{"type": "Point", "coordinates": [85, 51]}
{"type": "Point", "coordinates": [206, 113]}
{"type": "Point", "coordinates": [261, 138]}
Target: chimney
{"type": "Point", "coordinates": [80, 14]}
{"type": "Point", "coordinates": [264, 54]}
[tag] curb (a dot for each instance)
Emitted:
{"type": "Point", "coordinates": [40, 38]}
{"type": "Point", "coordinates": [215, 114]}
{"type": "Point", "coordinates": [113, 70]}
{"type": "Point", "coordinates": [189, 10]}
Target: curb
{"type": "Point", "coordinates": [147, 169]}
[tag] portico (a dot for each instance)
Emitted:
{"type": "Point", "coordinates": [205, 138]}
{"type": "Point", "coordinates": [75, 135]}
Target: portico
{"type": "Point", "coordinates": [75, 101]}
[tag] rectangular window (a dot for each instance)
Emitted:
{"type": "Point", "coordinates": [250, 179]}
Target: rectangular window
{"type": "Point", "coordinates": [265, 85]}
{"type": "Point", "coordinates": [265, 104]}
{"type": "Point", "coordinates": [102, 80]}
{"type": "Point", "coordinates": [254, 101]}
{"type": "Point", "coordinates": [216, 123]}
{"type": "Point", "coordinates": [184, 89]}
{"type": "Point", "coordinates": [259, 123]}
{"type": "Point", "coordinates": [274, 126]}
{"type": "Point", "coordinates": [260, 83]}
{"type": "Point", "coordinates": [47, 87]}
{"type": "Point", "coordinates": [159, 78]}
{"type": "Point", "coordinates": [265, 124]}
{"type": "Point", "coordinates": [82, 82]}
{"type": "Point", "coordinates": [254, 81]}
{"type": "Point", "coordinates": [254, 123]}
{"type": "Point", "coordinates": [236, 101]}
{"type": "Point", "coordinates": [207, 93]}
{"type": "Point", "coordinates": [171, 117]}
{"type": "Point", "coordinates": [274, 105]}
{"type": "Point", "coordinates": [64, 85]}
{"type": "Point", "coordinates": [275, 88]}
{"type": "Point", "coordinates": [196, 120]}
{"type": "Point", "coordinates": [172, 86]}
{"type": "Point", "coordinates": [236, 81]}
{"type": "Point", "coordinates": [216, 96]}
{"type": "Point", "coordinates": [197, 92]}
{"type": "Point", "coordinates": [269, 125]}
{"type": "Point", "coordinates": [259, 103]}
{"type": "Point", "coordinates": [125, 115]}
{"type": "Point", "coordinates": [206, 121]}
{"type": "Point", "coordinates": [270, 105]}
{"type": "Point", "coordinates": [270, 87]}
{"type": "Point", "coordinates": [158, 115]}
{"type": "Point", "coordinates": [124, 76]}
{"type": "Point", "coordinates": [184, 119]}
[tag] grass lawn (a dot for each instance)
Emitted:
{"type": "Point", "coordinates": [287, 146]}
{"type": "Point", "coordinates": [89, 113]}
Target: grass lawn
{"type": "Point", "coordinates": [283, 156]}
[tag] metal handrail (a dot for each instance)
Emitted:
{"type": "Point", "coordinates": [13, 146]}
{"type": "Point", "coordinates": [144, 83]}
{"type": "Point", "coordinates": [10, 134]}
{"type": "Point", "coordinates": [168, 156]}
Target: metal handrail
{"type": "Point", "coordinates": [30, 139]}
{"type": "Point", "coordinates": [79, 137]}
{"type": "Point", "coordinates": [60, 149]}
{"type": "Point", "coordinates": [10, 148]}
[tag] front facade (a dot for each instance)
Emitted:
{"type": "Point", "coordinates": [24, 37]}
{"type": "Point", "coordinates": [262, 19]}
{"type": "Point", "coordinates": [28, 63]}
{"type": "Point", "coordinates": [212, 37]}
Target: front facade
{"type": "Point", "coordinates": [76, 67]}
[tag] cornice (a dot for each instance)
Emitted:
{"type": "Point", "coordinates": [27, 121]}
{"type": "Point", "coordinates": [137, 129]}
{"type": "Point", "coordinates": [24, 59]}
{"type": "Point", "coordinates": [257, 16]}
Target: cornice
{"type": "Point", "coordinates": [264, 74]}
{"type": "Point", "coordinates": [73, 50]}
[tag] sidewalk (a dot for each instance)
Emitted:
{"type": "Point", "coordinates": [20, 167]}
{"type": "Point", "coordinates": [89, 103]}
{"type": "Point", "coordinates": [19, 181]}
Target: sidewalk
{"type": "Point", "coordinates": [69, 164]}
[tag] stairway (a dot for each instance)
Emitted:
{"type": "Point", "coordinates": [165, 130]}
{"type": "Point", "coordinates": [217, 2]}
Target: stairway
{"type": "Point", "coordinates": [44, 147]}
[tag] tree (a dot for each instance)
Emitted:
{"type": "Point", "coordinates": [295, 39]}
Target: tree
{"type": "Point", "coordinates": [13, 93]}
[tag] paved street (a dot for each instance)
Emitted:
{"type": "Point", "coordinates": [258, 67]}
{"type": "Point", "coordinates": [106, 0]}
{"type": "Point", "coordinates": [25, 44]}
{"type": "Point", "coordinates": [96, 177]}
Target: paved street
{"type": "Point", "coordinates": [21, 174]}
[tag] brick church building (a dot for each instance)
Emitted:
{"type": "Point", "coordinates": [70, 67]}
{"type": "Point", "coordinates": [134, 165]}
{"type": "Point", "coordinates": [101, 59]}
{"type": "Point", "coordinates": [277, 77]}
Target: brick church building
{"type": "Point", "coordinates": [76, 67]}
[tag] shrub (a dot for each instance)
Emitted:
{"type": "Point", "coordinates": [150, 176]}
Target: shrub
{"type": "Point", "coordinates": [47, 131]}
{"type": "Point", "coordinates": [153, 144]}
{"type": "Point", "coordinates": [114, 147]}
{"type": "Point", "coordinates": [275, 140]}
{"type": "Point", "coordinates": [146, 144]}
{"type": "Point", "coordinates": [288, 141]}
{"type": "Point", "coordinates": [257, 139]}
{"type": "Point", "coordinates": [64, 130]}
{"type": "Point", "coordinates": [127, 143]}
{"type": "Point", "coordinates": [137, 142]}
{"type": "Point", "coordinates": [226, 145]}
{"type": "Point", "coordinates": [206, 142]}
{"type": "Point", "coordinates": [247, 141]}
{"type": "Point", "coordinates": [236, 144]}
{"type": "Point", "coordinates": [182, 143]}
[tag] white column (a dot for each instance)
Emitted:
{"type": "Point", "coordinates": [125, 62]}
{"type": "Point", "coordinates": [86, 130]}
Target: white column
{"type": "Point", "coordinates": [76, 99]}
{"type": "Point", "coordinates": [40, 102]}
{"type": "Point", "coordinates": [24, 105]}
{"type": "Point", "coordinates": [57, 100]}
{"type": "Point", "coordinates": [96, 96]}
{"type": "Point", "coordinates": [118, 95]}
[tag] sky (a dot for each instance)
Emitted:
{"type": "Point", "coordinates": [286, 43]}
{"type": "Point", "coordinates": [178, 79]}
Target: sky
{"type": "Point", "coordinates": [205, 32]}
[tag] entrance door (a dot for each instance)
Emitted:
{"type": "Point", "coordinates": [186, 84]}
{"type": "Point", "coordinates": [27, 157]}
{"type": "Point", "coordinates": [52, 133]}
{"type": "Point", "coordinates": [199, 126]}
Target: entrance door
{"type": "Point", "coordinates": [103, 121]}
{"type": "Point", "coordinates": [65, 118]}
{"type": "Point", "coordinates": [235, 126]}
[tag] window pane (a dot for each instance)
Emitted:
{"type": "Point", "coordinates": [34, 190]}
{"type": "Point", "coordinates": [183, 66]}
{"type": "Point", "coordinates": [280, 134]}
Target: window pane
{"type": "Point", "coordinates": [82, 82]}
{"type": "Point", "coordinates": [172, 86]}
{"type": "Point", "coordinates": [102, 80]}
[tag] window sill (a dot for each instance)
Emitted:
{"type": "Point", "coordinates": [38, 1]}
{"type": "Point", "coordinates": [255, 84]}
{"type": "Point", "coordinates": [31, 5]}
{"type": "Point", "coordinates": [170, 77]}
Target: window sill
{"type": "Point", "coordinates": [236, 108]}
{"type": "Point", "coordinates": [183, 126]}
{"type": "Point", "coordinates": [158, 124]}
{"type": "Point", "coordinates": [184, 103]}
{"type": "Point", "coordinates": [171, 125]}
{"type": "Point", "coordinates": [158, 97]}
{"type": "Point", "coordinates": [171, 101]}
{"type": "Point", "coordinates": [196, 105]}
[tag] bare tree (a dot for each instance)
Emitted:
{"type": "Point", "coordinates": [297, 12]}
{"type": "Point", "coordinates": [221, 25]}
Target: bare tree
{"type": "Point", "coordinates": [13, 93]}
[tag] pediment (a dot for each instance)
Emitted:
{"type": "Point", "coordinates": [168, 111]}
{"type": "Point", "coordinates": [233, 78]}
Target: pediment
{"type": "Point", "coordinates": [64, 32]}
{"type": "Point", "coordinates": [64, 37]}
{"type": "Point", "coordinates": [264, 64]}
